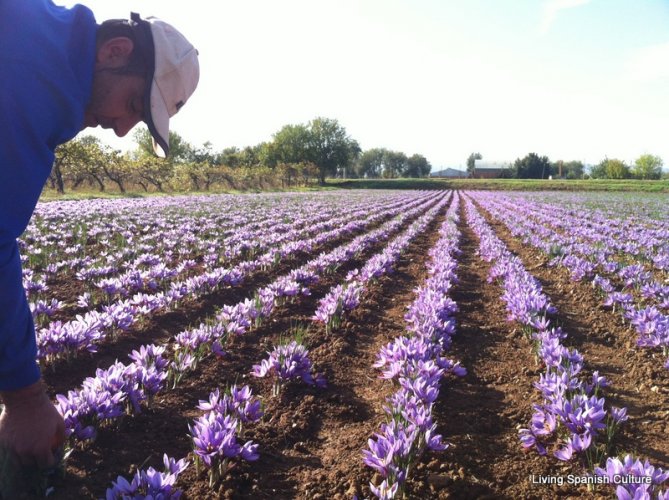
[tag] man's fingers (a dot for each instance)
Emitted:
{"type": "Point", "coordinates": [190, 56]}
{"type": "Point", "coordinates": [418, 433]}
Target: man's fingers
{"type": "Point", "coordinates": [59, 436]}
{"type": "Point", "coordinates": [26, 458]}
{"type": "Point", "coordinates": [42, 456]}
{"type": "Point", "coordinates": [45, 459]}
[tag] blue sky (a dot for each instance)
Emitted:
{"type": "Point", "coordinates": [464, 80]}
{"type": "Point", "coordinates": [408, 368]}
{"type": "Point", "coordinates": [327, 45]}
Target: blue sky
{"type": "Point", "coordinates": [569, 79]}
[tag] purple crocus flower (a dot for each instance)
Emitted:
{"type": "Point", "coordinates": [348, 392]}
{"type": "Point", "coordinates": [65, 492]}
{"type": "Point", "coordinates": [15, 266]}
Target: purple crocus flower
{"type": "Point", "coordinates": [150, 483]}
{"type": "Point", "coordinates": [565, 452]}
{"type": "Point", "coordinates": [385, 491]}
{"type": "Point", "coordinates": [288, 362]}
{"type": "Point", "coordinates": [615, 469]}
{"type": "Point", "coordinates": [214, 437]}
{"type": "Point", "coordinates": [528, 440]}
{"type": "Point", "coordinates": [381, 454]}
{"type": "Point", "coordinates": [543, 423]}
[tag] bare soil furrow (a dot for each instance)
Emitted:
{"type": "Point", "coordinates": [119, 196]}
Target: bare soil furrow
{"type": "Point", "coordinates": [480, 414]}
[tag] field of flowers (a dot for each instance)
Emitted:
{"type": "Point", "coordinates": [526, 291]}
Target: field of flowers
{"type": "Point", "coordinates": [376, 344]}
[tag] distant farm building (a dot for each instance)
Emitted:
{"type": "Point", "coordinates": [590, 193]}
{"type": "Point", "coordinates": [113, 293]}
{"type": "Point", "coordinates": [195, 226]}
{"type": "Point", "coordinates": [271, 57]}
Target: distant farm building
{"type": "Point", "coordinates": [488, 169]}
{"type": "Point", "coordinates": [451, 173]}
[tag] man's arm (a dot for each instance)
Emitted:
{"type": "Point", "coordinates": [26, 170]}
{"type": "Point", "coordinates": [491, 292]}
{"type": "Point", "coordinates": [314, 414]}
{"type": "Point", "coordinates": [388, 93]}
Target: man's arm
{"type": "Point", "coordinates": [45, 85]}
{"type": "Point", "coordinates": [18, 352]}
{"type": "Point", "coordinates": [30, 425]}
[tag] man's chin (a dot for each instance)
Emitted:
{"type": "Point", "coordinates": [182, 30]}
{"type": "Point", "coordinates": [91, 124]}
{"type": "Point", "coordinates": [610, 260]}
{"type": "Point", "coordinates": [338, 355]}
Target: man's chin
{"type": "Point", "coordinates": [89, 121]}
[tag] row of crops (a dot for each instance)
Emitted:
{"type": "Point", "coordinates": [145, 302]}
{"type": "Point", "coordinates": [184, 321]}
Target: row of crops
{"type": "Point", "coordinates": [104, 274]}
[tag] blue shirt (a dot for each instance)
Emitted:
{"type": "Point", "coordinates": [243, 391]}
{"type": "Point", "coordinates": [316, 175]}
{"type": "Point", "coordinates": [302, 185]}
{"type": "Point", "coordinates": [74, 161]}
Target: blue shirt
{"type": "Point", "coordinates": [47, 57]}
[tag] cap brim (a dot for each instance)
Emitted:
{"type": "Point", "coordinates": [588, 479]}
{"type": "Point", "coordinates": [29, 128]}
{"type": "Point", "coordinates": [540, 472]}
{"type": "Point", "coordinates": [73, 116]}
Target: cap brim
{"type": "Point", "coordinates": [159, 124]}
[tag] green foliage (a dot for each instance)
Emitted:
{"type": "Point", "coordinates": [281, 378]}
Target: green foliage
{"type": "Point", "coordinates": [394, 164]}
{"type": "Point", "coordinates": [180, 150]}
{"type": "Point", "coordinates": [568, 169]}
{"type": "Point", "coordinates": [152, 171]}
{"type": "Point", "coordinates": [380, 162]}
{"type": "Point", "coordinates": [417, 166]}
{"type": "Point", "coordinates": [295, 157]}
{"type": "Point", "coordinates": [322, 142]}
{"type": "Point", "coordinates": [330, 147]}
{"type": "Point", "coordinates": [471, 162]}
{"type": "Point", "coordinates": [370, 163]}
{"type": "Point", "coordinates": [532, 166]}
{"type": "Point", "coordinates": [290, 145]}
{"type": "Point", "coordinates": [86, 161]}
{"type": "Point", "coordinates": [610, 168]}
{"type": "Point", "coordinates": [647, 166]}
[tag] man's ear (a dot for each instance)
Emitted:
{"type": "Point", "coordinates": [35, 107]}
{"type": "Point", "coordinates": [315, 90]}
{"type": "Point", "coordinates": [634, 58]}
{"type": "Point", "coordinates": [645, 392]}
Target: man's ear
{"type": "Point", "coordinates": [115, 51]}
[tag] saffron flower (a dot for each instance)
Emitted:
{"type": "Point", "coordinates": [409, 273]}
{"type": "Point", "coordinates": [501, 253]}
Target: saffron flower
{"type": "Point", "coordinates": [288, 362]}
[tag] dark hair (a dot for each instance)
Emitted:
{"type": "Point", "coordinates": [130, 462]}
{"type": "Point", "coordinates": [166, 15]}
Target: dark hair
{"type": "Point", "coordinates": [112, 28]}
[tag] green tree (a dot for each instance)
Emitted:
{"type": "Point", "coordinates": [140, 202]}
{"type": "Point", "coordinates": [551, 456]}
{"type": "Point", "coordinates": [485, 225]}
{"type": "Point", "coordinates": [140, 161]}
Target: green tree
{"type": "Point", "coordinates": [322, 142]}
{"type": "Point", "coordinates": [180, 149]}
{"type": "Point", "coordinates": [370, 163]}
{"type": "Point", "coordinates": [532, 166]}
{"type": "Point", "coordinates": [568, 169]}
{"type": "Point", "coordinates": [598, 171]}
{"type": "Point", "coordinates": [647, 166]}
{"type": "Point", "coordinates": [251, 156]}
{"type": "Point", "coordinates": [471, 162]}
{"type": "Point", "coordinates": [289, 145]}
{"type": "Point", "coordinates": [230, 157]}
{"type": "Point", "coordinates": [95, 158]}
{"type": "Point", "coordinates": [116, 167]}
{"type": "Point", "coordinates": [573, 169]}
{"type": "Point", "coordinates": [610, 168]}
{"type": "Point", "coordinates": [202, 154]}
{"type": "Point", "coordinates": [330, 147]}
{"type": "Point", "coordinates": [417, 166]}
{"type": "Point", "coordinates": [154, 171]}
{"type": "Point", "coordinates": [77, 161]}
{"type": "Point", "coordinates": [69, 158]}
{"type": "Point", "coordinates": [394, 164]}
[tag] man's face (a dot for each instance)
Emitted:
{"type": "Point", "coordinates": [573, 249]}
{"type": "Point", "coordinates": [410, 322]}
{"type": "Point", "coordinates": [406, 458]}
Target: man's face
{"type": "Point", "coordinates": [117, 101]}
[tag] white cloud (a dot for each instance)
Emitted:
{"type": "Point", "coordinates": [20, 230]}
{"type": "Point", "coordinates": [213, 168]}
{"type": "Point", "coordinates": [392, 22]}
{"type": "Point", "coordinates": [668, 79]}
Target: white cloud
{"type": "Point", "coordinates": [551, 9]}
{"type": "Point", "coordinates": [649, 63]}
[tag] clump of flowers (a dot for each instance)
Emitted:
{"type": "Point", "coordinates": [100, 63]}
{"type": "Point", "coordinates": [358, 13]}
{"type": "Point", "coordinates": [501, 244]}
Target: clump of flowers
{"type": "Point", "coordinates": [288, 362]}
{"type": "Point", "coordinates": [401, 441]}
{"type": "Point", "coordinates": [627, 475]}
{"type": "Point", "coordinates": [334, 305]}
{"type": "Point", "coordinates": [149, 369]}
{"type": "Point", "coordinates": [215, 434]}
{"type": "Point", "coordinates": [571, 421]}
{"type": "Point", "coordinates": [150, 483]}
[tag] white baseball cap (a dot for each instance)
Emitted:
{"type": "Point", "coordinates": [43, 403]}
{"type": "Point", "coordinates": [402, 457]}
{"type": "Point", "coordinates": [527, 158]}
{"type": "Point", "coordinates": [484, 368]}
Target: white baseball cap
{"type": "Point", "coordinates": [172, 77]}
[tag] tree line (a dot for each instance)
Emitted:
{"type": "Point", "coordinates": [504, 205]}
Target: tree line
{"type": "Point", "coordinates": [533, 166]}
{"type": "Point", "coordinates": [297, 155]}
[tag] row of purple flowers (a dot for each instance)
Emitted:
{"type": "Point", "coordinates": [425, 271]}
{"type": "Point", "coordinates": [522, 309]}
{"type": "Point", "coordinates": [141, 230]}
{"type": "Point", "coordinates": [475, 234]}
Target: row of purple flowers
{"type": "Point", "coordinates": [344, 298]}
{"type": "Point", "coordinates": [590, 249]}
{"type": "Point", "coordinates": [571, 419]}
{"type": "Point", "coordinates": [416, 363]}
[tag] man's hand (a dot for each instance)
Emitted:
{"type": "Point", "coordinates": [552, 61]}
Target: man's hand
{"type": "Point", "coordinates": [31, 426]}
